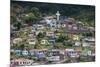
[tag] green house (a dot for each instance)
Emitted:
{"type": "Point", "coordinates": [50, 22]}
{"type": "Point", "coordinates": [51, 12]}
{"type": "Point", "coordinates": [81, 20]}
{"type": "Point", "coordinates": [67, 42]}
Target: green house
{"type": "Point", "coordinates": [51, 42]}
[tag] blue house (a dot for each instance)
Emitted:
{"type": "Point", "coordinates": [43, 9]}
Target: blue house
{"type": "Point", "coordinates": [18, 52]}
{"type": "Point", "coordinates": [25, 52]}
{"type": "Point", "coordinates": [32, 52]}
{"type": "Point", "coordinates": [53, 59]}
{"type": "Point", "coordinates": [40, 55]}
{"type": "Point", "coordinates": [62, 17]}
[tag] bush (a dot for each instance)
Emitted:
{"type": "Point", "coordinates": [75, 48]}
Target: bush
{"type": "Point", "coordinates": [61, 38]}
{"type": "Point", "coordinates": [40, 35]}
{"type": "Point", "coordinates": [65, 43]}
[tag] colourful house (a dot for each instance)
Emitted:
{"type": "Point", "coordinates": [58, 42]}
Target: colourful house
{"type": "Point", "coordinates": [53, 58]}
{"type": "Point", "coordinates": [40, 55]}
{"type": "Point", "coordinates": [32, 52]}
{"type": "Point", "coordinates": [51, 42]}
{"type": "Point", "coordinates": [76, 37]}
{"type": "Point", "coordinates": [25, 52]}
{"type": "Point", "coordinates": [21, 62]}
{"type": "Point", "coordinates": [43, 41]}
{"type": "Point", "coordinates": [18, 52]}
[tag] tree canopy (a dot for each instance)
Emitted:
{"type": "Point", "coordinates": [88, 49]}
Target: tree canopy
{"type": "Point", "coordinates": [35, 10]}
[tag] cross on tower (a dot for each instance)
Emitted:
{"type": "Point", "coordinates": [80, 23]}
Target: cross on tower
{"type": "Point", "coordinates": [58, 14]}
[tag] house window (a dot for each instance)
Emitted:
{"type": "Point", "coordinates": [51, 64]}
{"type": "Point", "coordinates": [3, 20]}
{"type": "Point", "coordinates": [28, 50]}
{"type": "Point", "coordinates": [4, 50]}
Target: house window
{"type": "Point", "coordinates": [12, 62]}
{"type": "Point", "coordinates": [23, 62]}
{"type": "Point", "coordinates": [69, 26]}
{"type": "Point", "coordinates": [53, 26]}
{"type": "Point", "coordinates": [20, 62]}
{"type": "Point", "coordinates": [16, 63]}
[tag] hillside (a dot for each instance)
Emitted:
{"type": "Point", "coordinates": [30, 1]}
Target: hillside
{"type": "Point", "coordinates": [36, 10]}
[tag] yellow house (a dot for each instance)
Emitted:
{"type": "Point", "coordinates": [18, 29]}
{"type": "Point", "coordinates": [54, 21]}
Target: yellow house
{"type": "Point", "coordinates": [76, 37]}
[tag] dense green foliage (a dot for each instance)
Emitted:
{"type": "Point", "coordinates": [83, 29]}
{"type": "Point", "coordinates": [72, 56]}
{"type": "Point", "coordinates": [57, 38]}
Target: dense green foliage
{"type": "Point", "coordinates": [61, 38]}
{"type": "Point", "coordinates": [36, 10]}
{"type": "Point", "coordinates": [40, 35]}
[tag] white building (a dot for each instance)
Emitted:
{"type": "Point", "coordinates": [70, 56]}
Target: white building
{"type": "Point", "coordinates": [89, 39]}
{"type": "Point", "coordinates": [69, 49]}
{"type": "Point", "coordinates": [31, 35]}
{"type": "Point", "coordinates": [38, 26]}
{"type": "Point", "coordinates": [72, 53]}
{"type": "Point", "coordinates": [17, 40]}
{"type": "Point", "coordinates": [88, 42]}
{"type": "Point", "coordinates": [88, 53]}
{"type": "Point", "coordinates": [43, 41]}
{"type": "Point", "coordinates": [25, 53]}
{"type": "Point", "coordinates": [63, 25]}
{"type": "Point", "coordinates": [50, 34]}
{"type": "Point", "coordinates": [48, 21]}
{"type": "Point", "coordinates": [32, 41]}
{"type": "Point", "coordinates": [77, 43]}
